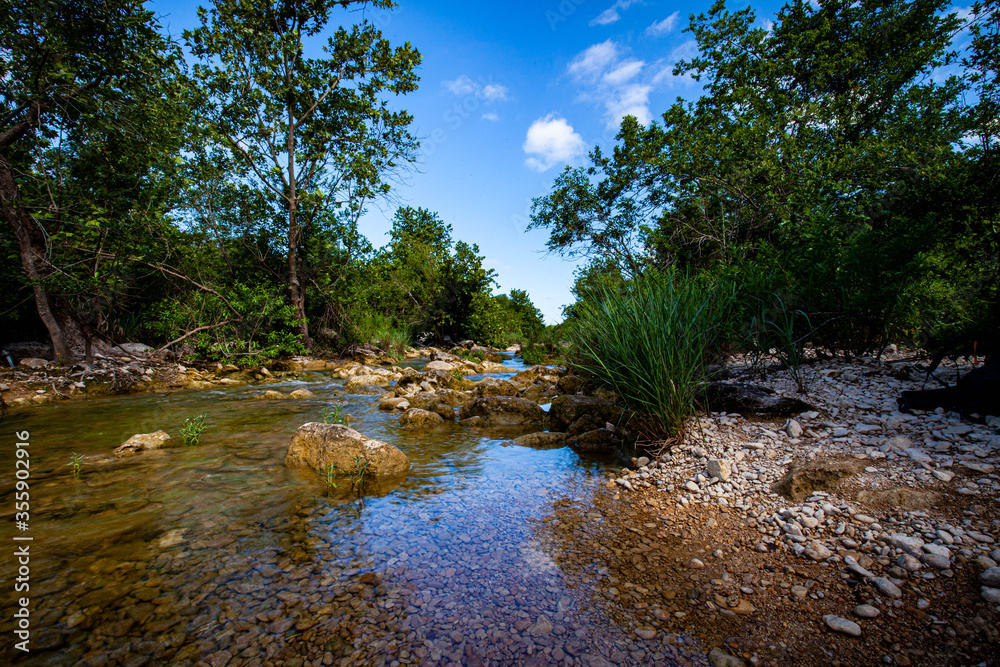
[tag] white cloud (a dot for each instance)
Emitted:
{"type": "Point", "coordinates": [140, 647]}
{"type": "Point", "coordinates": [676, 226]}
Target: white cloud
{"type": "Point", "coordinates": [552, 140]}
{"type": "Point", "coordinates": [613, 82]}
{"type": "Point", "coordinates": [491, 115]}
{"type": "Point", "coordinates": [463, 85]}
{"type": "Point", "coordinates": [610, 15]}
{"type": "Point", "coordinates": [623, 72]}
{"type": "Point", "coordinates": [685, 51]}
{"type": "Point", "coordinates": [632, 100]}
{"type": "Point", "coordinates": [494, 92]}
{"type": "Point", "coordinates": [594, 60]}
{"type": "Point", "coordinates": [664, 27]}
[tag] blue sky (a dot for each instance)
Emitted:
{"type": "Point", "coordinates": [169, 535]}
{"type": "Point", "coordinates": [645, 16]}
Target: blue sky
{"type": "Point", "coordinates": [510, 93]}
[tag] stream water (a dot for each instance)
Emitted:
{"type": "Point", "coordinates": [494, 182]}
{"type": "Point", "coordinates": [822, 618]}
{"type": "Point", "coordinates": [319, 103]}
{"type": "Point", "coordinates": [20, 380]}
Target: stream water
{"type": "Point", "coordinates": [218, 554]}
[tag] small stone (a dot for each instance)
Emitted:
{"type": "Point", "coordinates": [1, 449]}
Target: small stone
{"type": "Point", "coordinates": [991, 595]}
{"type": "Point", "coordinates": [720, 658]}
{"type": "Point", "coordinates": [793, 429]}
{"type": "Point", "coordinates": [842, 625]}
{"type": "Point", "coordinates": [817, 551]}
{"type": "Point", "coordinates": [866, 611]}
{"type": "Point", "coordinates": [300, 394]}
{"type": "Point", "coordinates": [990, 577]}
{"type": "Point", "coordinates": [695, 564]}
{"type": "Point", "coordinates": [887, 587]}
{"type": "Point", "coordinates": [719, 468]}
{"type": "Point", "coordinates": [645, 632]}
{"type": "Point", "coordinates": [936, 561]}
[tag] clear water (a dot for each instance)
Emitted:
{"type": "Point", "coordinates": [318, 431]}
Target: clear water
{"type": "Point", "coordinates": [219, 553]}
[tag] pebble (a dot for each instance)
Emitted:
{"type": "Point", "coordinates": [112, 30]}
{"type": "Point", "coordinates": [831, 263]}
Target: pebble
{"type": "Point", "coordinates": [886, 587]}
{"type": "Point", "coordinates": [695, 564]}
{"type": "Point", "coordinates": [866, 611]}
{"type": "Point", "coordinates": [842, 625]}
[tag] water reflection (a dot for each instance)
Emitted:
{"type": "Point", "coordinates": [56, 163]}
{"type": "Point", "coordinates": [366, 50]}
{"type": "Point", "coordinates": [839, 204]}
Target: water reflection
{"type": "Point", "coordinates": [220, 553]}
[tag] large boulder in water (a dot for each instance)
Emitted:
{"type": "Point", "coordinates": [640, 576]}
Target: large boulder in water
{"type": "Point", "coordinates": [503, 411]}
{"type": "Point", "coordinates": [318, 445]}
{"type": "Point", "coordinates": [417, 418]}
{"type": "Point", "coordinates": [143, 442]}
{"type": "Point", "coordinates": [566, 410]}
{"type": "Point", "coordinates": [495, 387]}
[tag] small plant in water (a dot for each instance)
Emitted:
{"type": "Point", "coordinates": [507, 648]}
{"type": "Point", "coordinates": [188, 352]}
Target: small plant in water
{"type": "Point", "coordinates": [331, 474]}
{"type": "Point", "coordinates": [75, 462]}
{"type": "Point", "coordinates": [333, 415]}
{"type": "Point", "coordinates": [359, 474]}
{"type": "Point", "coordinates": [193, 426]}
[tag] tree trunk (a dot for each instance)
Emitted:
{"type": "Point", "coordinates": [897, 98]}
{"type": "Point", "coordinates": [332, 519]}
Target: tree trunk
{"type": "Point", "coordinates": [31, 248]}
{"type": "Point", "coordinates": [295, 292]}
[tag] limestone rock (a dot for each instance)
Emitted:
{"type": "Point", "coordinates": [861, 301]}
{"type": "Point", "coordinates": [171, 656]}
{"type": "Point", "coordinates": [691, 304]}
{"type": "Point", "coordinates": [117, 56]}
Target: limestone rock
{"type": "Point", "coordinates": [503, 411]}
{"type": "Point", "coordinates": [541, 440]}
{"type": "Point", "coordinates": [821, 474]}
{"type": "Point", "coordinates": [438, 365]}
{"type": "Point", "coordinates": [719, 468]}
{"type": "Point", "coordinates": [595, 440]}
{"type": "Point", "coordinates": [301, 394]}
{"type": "Point", "coordinates": [495, 387]}
{"type": "Point", "coordinates": [902, 498]}
{"type": "Point", "coordinates": [318, 445]}
{"type": "Point", "coordinates": [143, 441]}
{"type": "Point", "coordinates": [359, 381]}
{"type": "Point", "coordinates": [747, 399]}
{"type": "Point", "coordinates": [271, 395]}
{"type": "Point", "coordinates": [417, 418]}
{"type": "Point", "coordinates": [568, 409]}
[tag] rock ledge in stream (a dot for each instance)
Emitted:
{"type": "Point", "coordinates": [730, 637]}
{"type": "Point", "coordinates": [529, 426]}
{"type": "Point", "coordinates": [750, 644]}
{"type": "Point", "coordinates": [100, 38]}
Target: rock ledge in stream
{"type": "Point", "coordinates": [318, 445]}
{"type": "Point", "coordinates": [503, 411]}
{"type": "Point", "coordinates": [141, 442]}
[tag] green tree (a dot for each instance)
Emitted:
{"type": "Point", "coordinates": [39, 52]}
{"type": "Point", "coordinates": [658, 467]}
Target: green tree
{"type": "Point", "coordinates": [315, 134]}
{"type": "Point", "coordinates": [78, 81]}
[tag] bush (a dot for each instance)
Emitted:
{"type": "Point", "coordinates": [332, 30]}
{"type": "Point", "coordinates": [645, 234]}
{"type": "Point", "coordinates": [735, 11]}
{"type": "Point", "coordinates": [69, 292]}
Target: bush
{"type": "Point", "coordinates": [651, 341]}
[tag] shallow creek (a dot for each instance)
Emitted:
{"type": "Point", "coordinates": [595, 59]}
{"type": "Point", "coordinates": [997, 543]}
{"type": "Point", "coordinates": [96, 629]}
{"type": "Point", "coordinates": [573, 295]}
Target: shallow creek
{"type": "Point", "coordinates": [217, 554]}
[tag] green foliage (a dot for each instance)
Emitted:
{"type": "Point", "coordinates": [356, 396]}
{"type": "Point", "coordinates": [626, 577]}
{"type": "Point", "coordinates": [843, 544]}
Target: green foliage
{"type": "Point", "coordinates": [331, 475]}
{"type": "Point", "coordinates": [651, 341]}
{"type": "Point", "coordinates": [828, 151]}
{"type": "Point", "coordinates": [359, 475]}
{"type": "Point", "coordinates": [75, 461]}
{"type": "Point", "coordinates": [533, 353]}
{"type": "Point", "coordinates": [315, 136]}
{"type": "Point", "coordinates": [333, 414]}
{"type": "Point", "coordinates": [192, 429]}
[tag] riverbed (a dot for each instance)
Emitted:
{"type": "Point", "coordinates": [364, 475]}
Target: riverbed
{"type": "Point", "coordinates": [218, 554]}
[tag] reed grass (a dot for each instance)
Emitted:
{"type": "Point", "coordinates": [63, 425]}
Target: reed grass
{"type": "Point", "coordinates": [651, 341]}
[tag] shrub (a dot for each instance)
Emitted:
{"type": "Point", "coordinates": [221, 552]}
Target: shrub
{"type": "Point", "coordinates": [651, 340]}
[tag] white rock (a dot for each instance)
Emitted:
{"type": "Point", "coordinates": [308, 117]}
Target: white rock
{"type": "Point", "coordinates": [887, 587]}
{"type": "Point", "coordinates": [719, 468]}
{"type": "Point", "coordinates": [991, 595]}
{"type": "Point", "coordinates": [842, 625]}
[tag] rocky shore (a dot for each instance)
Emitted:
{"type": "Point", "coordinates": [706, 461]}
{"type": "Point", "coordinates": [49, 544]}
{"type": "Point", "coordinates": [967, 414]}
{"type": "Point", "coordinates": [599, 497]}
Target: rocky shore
{"type": "Point", "coordinates": [851, 534]}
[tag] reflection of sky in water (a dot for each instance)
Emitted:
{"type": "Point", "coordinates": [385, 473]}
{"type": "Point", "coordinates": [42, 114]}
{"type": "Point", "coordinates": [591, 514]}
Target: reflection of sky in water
{"type": "Point", "coordinates": [460, 479]}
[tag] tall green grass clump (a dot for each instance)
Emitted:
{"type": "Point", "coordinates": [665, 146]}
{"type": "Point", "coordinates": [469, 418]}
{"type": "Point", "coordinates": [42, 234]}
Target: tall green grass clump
{"type": "Point", "coordinates": [650, 341]}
